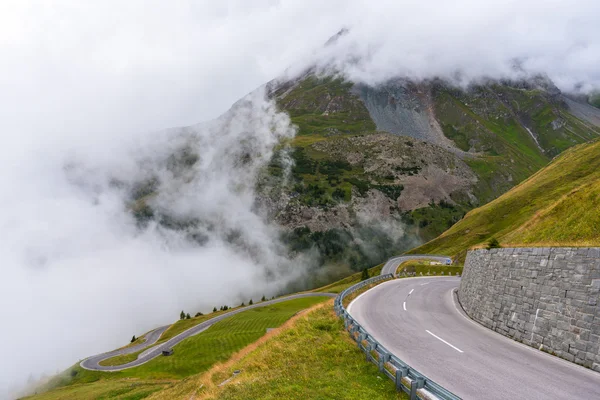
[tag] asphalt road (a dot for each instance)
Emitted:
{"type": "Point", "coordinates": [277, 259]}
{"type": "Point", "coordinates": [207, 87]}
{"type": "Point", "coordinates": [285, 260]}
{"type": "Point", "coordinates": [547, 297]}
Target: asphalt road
{"type": "Point", "coordinates": [92, 363]}
{"type": "Point", "coordinates": [392, 264]}
{"type": "Point", "coordinates": [419, 321]}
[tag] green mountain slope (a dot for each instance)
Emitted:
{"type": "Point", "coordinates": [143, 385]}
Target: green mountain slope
{"type": "Point", "coordinates": [418, 156]}
{"type": "Point", "coordinates": [374, 171]}
{"type": "Point", "coordinates": [594, 99]}
{"type": "Point", "coordinates": [556, 206]}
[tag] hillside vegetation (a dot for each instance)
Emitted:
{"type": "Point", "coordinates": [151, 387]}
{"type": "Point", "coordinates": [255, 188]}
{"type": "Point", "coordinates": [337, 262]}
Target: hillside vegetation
{"type": "Point", "coordinates": [192, 356]}
{"type": "Point", "coordinates": [312, 357]}
{"type": "Point", "coordinates": [594, 99]}
{"type": "Point", "coordinates": [414, 157]}
{"type": "Point", "coordinates": [556, 206]}
{"type": "Point", "coordinates": [375, 171]}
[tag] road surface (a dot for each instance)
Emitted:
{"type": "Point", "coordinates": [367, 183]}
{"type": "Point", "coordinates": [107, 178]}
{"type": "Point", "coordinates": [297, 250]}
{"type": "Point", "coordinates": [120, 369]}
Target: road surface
{"type": "Point", "coordinates": [392, 264]}
{"type": "Point", "coordinates": [92, 363]}
{"type": "Point", "coordinates": [419, 321]}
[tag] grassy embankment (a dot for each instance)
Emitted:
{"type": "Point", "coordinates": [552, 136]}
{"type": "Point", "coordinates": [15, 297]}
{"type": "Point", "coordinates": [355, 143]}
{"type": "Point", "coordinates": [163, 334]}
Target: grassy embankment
{"type": "Point", "coordinates": [557, 206]}
{"type": "Point", "coordinates": [193, 355]}
{"type": "Point", "coordinates": [174, 330]}
{"type": "Point", "coordinates": [310, 357]}
{"type": "Point", "coordinates": [424, 267]}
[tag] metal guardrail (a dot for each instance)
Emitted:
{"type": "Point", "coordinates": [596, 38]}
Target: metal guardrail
{"type": "Point", "coordinates": [407, 379]}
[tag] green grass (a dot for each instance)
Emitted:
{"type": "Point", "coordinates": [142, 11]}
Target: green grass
{"type": "Point", "coordinates": [491, 121]}
{"type": "Point", "coordinates": [308, 105]}
{"type": "Point", "coordinates": [424, 267]}
{"type": "Point", "coordinates": [342, 284]}
{"type": "Point", "coordinates": [120, 359]}
{"type": "Point", "coordinates": [113, 389]}
{"type": "Point", "coordinates": [594, 99]}
{"type": "Point", "coordinates": [312, 359]}
{"type": "Point", "coordinates": [174, 330]}
{"type": "Point", "coordinates": [556, 206]}
{"type": "Point", "coordinates": [195, 354]}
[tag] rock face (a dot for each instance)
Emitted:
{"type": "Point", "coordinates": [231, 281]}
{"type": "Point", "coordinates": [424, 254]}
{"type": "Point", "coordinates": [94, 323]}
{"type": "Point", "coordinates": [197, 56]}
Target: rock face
{"type": "Point", "coordinates": [371, 171]}
{"type": "Point", "coordinates": [547, 298]}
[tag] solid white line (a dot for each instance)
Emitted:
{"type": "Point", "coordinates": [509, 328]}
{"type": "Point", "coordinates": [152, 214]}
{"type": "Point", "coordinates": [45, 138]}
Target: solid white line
{"type": "Point", "coordinates": [439, 338]}
{"type": "Point", "coordinates": [404, 306]}
{"type": "Point", "coordinates": [411, 290]}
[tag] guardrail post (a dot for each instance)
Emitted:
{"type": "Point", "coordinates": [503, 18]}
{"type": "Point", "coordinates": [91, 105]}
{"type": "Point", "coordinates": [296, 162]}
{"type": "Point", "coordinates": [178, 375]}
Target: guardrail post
{"type": "Point", "coordinates": [401, 372]}
{"type": "Point", "coordinates": [382, 360]}
{"type": "Point", "coordinates": [418, 383]}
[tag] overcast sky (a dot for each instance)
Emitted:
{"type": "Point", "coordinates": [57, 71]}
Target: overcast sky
{"type": "Point", "coordinates": [85, 81]}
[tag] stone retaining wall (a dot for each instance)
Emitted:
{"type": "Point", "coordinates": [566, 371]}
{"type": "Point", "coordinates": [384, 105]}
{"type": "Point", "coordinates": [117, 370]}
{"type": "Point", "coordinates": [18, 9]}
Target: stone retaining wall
{"type": "Point", "coordinates": [547, 298]}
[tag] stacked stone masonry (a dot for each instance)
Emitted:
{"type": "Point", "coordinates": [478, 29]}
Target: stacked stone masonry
{"type": "Point", "coordinates": [547, 298]}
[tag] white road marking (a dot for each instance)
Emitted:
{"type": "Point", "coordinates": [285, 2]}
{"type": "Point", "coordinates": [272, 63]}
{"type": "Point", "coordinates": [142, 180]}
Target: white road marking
{"type": "Point", "coordinates": [404, 306]}
{"type": "Point", "coordinates": [439, 338]}
{"type": "Point", "coordinates": [411, 290]}
{"type": "Point", "coordinates": [426, 283]}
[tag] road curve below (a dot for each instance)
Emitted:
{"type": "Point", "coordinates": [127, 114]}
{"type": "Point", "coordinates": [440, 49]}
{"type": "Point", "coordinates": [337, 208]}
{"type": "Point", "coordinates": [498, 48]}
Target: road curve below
{"type": "Point", "coordinates": [392, 264]}
{"type": "Point", "coordinates": [419, 321]}
{"type": "Point", "coordinates": [92, 363]}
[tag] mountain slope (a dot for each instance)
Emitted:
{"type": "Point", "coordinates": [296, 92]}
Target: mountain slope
{"type": "Point", "coordinates": [556, 206]}
{"type": "Point", "coordinates": [373, 171]}
{"type": "Point", "coordinates": [417, 155]}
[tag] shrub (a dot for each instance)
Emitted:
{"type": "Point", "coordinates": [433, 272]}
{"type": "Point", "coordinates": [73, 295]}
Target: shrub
{"type": "Point", "coordinates": [493, 244]}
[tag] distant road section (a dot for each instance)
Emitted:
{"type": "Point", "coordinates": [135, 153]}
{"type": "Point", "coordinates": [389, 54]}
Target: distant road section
{"type": "Point", "coordinates": [92, 363]}
{"type": "Point", "coordinates": [392, 264]}
{"type": "Point", "coordinates": [419, 321]}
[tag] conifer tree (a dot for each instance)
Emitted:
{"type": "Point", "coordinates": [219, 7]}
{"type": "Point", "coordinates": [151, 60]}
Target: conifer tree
{"type": "Point", "coordinates": [365, 275]}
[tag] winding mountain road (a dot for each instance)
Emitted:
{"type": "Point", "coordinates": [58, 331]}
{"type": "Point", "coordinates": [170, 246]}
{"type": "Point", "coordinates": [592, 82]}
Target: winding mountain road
{"type": "Point", "coordinates": [392, 264]}
{"type": "Point", "coordinates": [93, 363]}
{"type": "Point", "coordinates": [420, 321]}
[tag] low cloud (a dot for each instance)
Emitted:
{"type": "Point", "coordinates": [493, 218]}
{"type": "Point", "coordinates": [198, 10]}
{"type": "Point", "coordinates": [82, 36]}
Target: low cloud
{"type": "Point", "coordinates": [83, 273]}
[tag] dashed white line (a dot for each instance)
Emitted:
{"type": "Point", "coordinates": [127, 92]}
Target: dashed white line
{"type": "Point", "coordinates": [404, 306]}
{"type": "Point", "coordinates": [426, 283]}
{"type": "Point", "coordinates": [411, 290]}
{"type": "Point", "coordinates": [440, 339]}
